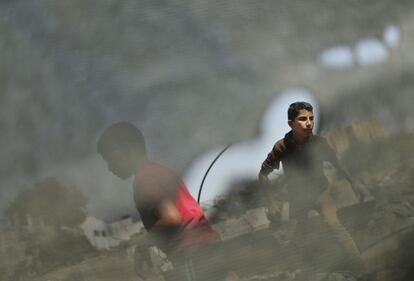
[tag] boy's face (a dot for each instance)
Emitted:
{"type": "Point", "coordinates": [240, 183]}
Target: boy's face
{"type": "Point", "coordinates": [303, 123]}
{"type": "Point", "coordinates": [118, 163]}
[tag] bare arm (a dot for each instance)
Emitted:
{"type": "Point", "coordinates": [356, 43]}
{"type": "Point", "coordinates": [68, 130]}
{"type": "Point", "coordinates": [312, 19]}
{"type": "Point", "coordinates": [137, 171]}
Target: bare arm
{"type": "Point", "coordinates": [168, 214]}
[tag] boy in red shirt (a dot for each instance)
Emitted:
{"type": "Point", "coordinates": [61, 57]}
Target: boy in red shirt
{"type": "Point", "coordinates": [169, 213]}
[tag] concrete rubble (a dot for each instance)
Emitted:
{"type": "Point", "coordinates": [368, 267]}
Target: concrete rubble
{"type": "Point", "coordinates": [253, 220]}
{"type": "Point", "coordinates": [159, 259]}
{"type": "Point", "coordinates": [104, 236]}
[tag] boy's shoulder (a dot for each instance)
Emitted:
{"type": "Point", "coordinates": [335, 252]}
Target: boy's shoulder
{"type": "Point", "coordinates": [280, 145]}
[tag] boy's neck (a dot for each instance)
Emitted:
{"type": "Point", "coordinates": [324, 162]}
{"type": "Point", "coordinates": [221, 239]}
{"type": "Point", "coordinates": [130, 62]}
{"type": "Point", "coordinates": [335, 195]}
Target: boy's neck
{"type": "Point", "coordinates": [137, 161]}
{"type": "Point", "coordinates": [300, 140]}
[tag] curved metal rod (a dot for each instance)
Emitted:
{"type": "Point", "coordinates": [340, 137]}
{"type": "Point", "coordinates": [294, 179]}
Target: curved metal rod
{"type": "Point", "coordinates": [208, 170]}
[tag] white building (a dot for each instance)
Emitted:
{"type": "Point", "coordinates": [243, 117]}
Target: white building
{"type": "Point", "coordinates": [98, 233]}
{"type": "Point", "coordinates": [104, 236]}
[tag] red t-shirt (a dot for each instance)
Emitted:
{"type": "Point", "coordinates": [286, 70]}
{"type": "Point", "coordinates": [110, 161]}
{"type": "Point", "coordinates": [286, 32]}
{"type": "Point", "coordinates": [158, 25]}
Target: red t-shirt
{"type": "Point", "coordinates": [155, 183]}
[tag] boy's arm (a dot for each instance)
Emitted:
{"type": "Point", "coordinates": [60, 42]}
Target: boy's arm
{"type": "Point", "coordinates": [169, 219]}
{"type": "Point", "coordinates": [158, 200]}
{"type": "Point", "coordinates": [168, 214]}
{"type": "Point", "coordinates": [270, 163]}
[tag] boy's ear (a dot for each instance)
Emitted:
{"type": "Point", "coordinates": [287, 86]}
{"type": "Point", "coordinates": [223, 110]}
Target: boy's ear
{"type": "Point", "coordinates": [290, 123]}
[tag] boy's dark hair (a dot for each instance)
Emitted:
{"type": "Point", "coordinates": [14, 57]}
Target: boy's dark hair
{"type": "Point", "coordinates": [121, 135]}
{"type": "Point", "coordinates": [295, 107]}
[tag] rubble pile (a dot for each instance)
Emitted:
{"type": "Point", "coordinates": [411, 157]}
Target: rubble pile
{"type": "Point", "coordinates": [255, 225]}
{"type": "Point", "coordinates": [387, 170]}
